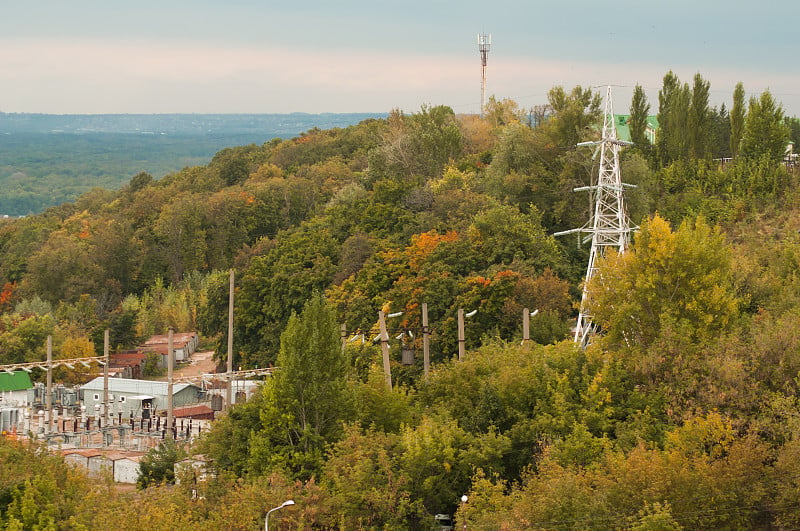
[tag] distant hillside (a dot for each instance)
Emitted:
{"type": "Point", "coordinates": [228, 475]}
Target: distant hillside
{"type": "Point", "coordinates": [46, 160]}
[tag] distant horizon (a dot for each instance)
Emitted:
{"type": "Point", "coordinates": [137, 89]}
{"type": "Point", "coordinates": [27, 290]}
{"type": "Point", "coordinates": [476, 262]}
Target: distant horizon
{"type": "Point", "coordinates": [190, 113]}
{"type": "Point", "coordinates": [235, 127]}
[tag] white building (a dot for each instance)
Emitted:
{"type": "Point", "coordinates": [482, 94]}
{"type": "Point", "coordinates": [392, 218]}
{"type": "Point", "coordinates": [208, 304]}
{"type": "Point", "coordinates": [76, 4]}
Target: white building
{"type": "Point", "coordinates": [13, 399]}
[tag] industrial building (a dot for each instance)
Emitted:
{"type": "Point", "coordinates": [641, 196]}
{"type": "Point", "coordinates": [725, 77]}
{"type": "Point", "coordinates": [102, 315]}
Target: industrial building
{"type": "Point", "coordinates": [141, 398]}
{"type": "Point", "coordinates": [14, 388]}
{"type": "Point", "coordinates": [123, 465]}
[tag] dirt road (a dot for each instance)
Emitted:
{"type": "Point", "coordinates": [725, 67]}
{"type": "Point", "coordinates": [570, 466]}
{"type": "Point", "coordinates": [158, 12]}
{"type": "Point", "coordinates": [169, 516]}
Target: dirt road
{"type": "Point", "coordinates": [199, 363]}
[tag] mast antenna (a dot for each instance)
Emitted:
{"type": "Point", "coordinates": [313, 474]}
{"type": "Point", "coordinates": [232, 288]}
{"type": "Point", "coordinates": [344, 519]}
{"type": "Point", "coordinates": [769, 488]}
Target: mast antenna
{"type": "Point", "coordinates": [484, 45]}
{"type": "Point", "coordinates": [609, 225]}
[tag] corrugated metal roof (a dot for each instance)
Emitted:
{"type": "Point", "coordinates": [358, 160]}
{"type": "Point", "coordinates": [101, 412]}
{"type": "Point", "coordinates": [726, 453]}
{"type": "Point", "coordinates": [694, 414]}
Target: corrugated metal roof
{"type": "Point", "coordinates": [120, 454]}
{"type": "Point", "coordinates": [113, 455]}
{"type": "Point", "coordinates": [623, 127]}
{"type": "Point", "coordinates": [139, 387]}
{"type": "Point", "coordinates": [15, 381]}
{"type": "Point", "coordinates": [183, 338]}
{"type": "Point", "coordinates": [83, 452]}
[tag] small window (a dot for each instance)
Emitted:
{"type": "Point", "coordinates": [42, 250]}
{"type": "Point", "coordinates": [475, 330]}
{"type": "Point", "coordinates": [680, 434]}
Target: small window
{"type": "Point", "coordinates": [96, 397]}
{"type": "Point", "coordinates": [122, 399]}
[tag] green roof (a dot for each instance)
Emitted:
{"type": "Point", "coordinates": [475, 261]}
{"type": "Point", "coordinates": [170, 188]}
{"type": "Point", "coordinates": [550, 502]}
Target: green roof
{"type": "Point", "coordinates": [16, 381]}
{"type": "Point", "coordinates": [623, 128]}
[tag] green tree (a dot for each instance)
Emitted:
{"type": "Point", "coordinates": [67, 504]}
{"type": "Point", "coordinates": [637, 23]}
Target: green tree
{"type": "Point", "coordinates": [278, 283]}
{"type": "Point", "coordinates": [737, 119]}
{"type": "Point", "coordinates": [138, 182]}
{"type": "Point", "coordinates": [674, 101]}
{"type": "Point", "coordinates": [720, 142]}
{"type": "Point", "coordinates": [765, 133]}
{"type": "Point", "coordinates": [640, 109]}
{"type": "Point", "coordinates": [368, 487]}
{"type": "Point", "coordinates": [575, 115]}
{"type": "Point", "coordinates": [182, 236]}
{"type": "Point", "coordinates": [440, 458]}
{"type": "Point", "coordinates": [157, 466]}
{"type": "Point", "coordinates": [22, 336]}
{"type": "Point", "coordinates": [699, 123]}
{"type": "Point", "coordinates": [308, 398]}
{"type": "Point", "coordinates": [420, 145]}
{"type": "Point", "coordinates": [62, 269]}
{"type": "Point", "coordinates": [502, 112]}
{"type": "Point", "coordinates": [227, 443]}
{"type": "Point", "coordinates": [794, 132]}
{"type": "Point", "coordinates": [39, 491]}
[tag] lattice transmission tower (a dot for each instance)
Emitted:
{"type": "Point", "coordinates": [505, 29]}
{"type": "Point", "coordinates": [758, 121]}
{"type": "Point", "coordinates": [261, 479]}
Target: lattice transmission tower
{"type": "Point", "coordinates": [609, 225]}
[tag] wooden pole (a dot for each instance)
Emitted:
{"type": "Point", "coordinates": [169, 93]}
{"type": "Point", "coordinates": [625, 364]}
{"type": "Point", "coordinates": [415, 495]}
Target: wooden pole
{"type": "Point", "coordinates": [461, 339]}
{"type": "Point", "coordinates": [526, 325]}
{"type": "Point", "coordinates": [228, 390]}
{"type": "Point", "coordinates": [343, 329]}
{"type": "Point", "coordinates": [170, 364]}
{"type": "Point", "coordinates": [49, 397]}
{"type": "Point", "coordinates": [426, 350]}
{"type": "Point", "coordinates": [387, 370]}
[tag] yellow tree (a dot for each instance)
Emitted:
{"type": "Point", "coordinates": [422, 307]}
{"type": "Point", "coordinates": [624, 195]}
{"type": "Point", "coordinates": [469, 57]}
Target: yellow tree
{"type": "Point", "coordinates": [681, 280]}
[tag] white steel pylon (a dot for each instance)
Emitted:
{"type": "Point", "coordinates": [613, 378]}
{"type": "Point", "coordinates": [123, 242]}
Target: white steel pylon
{"type": "Point", "coordinates": [609, 225]}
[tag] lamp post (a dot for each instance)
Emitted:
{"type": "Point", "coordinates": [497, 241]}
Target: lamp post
{"type": "Point", "coordinates": [281, 506]}
{"type": "Point", "coordinates": [463, 509]}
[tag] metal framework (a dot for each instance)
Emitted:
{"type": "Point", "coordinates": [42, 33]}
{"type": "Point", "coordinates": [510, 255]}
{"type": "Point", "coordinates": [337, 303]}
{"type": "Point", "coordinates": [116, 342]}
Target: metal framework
{"type": "Point", "coordinates": [45, 365]}
{"type": "Point", "coordinates": [609, 225]}
{"type": "Point", "coordinates": [484, 45]}
{"type": "Point", "coordinates": [227, 376]}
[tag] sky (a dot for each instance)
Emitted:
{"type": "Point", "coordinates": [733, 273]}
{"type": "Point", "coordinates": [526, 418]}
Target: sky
{"type": "Point", "coordinates": [249, 56]}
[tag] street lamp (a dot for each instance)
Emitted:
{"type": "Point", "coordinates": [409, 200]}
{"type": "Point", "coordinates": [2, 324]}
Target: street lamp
{"type": "Point", "coordinates": [281, 506]}
{"type": "Point", "coordinates": [463, 510]}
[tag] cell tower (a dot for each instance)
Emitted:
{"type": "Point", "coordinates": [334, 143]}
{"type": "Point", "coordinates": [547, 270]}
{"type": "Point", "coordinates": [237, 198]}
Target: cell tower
{"type": "Point", "coordinates": [609, 225]}
{"type": "Point", "coordinates": [484, 44]}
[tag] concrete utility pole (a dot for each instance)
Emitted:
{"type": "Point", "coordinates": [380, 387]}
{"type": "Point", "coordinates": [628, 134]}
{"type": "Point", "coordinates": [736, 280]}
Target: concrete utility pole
{"type": "Point", "coordinates": [49, 397]}
{"type": "Point", "coordinates": [105, 377]}
{"type": "Point", "coordinates": [228, 390]}
{"type": "Point", "coordinates": [387, 369]}
{"type": "Point", "coordinates": [461, 339]}
{"type": "Point", "coordinates": [170, 364]}
{"type": "Point", "coordinates": [426, 351]}
{"type": "Point", "coordinates": [526, 325]}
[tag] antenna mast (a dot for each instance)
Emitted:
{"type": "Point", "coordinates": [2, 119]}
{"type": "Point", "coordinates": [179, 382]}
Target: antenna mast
{"type": "Point", "coordinates": [484, 44]}
{"type": "Point", "coordinates": [609, 225]}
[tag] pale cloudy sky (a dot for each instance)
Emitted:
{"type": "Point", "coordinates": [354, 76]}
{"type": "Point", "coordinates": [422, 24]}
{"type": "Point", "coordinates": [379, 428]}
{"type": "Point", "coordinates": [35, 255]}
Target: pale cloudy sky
{"type": "Point", "coordinates": [250, 56]}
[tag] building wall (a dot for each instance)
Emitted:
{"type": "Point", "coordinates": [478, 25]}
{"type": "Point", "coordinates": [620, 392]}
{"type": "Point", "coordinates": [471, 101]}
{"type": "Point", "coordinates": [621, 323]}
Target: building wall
{"type": "Point", "coordinates": [124, 402]}
{"type": "Point", "coordinates": [126, 471]}
{"type": "Point", "coordinates": [11, 419]}
{"type": "Point", "coordinates": [98, 465]}
{"type": "Point", "coordinates": [76, 460]}
{"type": "Point", "coordinates": [91, 399]}
{"type": "Point", "coordinates": [184, 397]}
{"type": "Point", "coordinates": [14, 398]}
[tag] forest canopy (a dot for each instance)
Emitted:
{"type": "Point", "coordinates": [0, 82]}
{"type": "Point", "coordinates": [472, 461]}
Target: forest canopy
{"type": "Point", "coordinates": [682, 413]}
